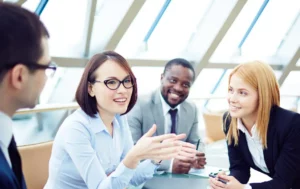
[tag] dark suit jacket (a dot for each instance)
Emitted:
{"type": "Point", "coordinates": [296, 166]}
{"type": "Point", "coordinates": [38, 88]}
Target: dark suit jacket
{"type": "Point", "coordinates": [282, 155]}
{"type": "Point", "coordinates": [8, 180]}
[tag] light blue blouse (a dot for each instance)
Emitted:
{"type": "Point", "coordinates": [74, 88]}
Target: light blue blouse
{"type": "Point", "coordinates": [84, 153]}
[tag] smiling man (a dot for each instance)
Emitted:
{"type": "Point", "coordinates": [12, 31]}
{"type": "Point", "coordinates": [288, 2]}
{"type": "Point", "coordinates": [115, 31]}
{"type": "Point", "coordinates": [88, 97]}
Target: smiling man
{"type": "Point", "coordinates": [170, 111]}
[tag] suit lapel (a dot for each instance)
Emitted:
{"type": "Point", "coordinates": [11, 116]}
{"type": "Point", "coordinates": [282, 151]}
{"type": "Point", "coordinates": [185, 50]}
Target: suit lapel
{"type": "Point", "coordinates": [5, 166]}
{"type": "Point", "coordinates": [183, 121]}
{"type": "Point", "coordinates": [15, 160]}
{"type": "Point", "coordinates": [268, 153]}
{"type": "Point", "coordinates": [244, 145]}
{"type": "Point", "coordinates": [157, 113]}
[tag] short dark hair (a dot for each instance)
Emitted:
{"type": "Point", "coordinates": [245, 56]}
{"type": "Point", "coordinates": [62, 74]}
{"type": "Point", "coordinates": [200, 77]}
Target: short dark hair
{"type": "Point", "coordinates": [182, 62]}
{"type": "Point", "coordinates": [21, 33]}
{"type": "Point", "coordinates": [89, 104]}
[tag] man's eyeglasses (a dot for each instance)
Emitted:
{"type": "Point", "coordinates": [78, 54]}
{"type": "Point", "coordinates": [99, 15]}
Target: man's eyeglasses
{"type": "Point", "coordinates": [114, 84]}
{"type": "Point", "coordinates": [49, 69]}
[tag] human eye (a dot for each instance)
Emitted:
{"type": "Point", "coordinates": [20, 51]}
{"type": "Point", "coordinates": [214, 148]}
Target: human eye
{"type": "Point", "coordinates": [186, 85]}
{"type": "Point", "coordinates": [171, 80]}
{"type": "Point", "coordinates": [243, 93]}
{"type": "Point", "coordinates": [230, 90]}
{"type": "Point", "coordinates": [127, 80]}
{"type": "Point", "coordinates": [111, 82]}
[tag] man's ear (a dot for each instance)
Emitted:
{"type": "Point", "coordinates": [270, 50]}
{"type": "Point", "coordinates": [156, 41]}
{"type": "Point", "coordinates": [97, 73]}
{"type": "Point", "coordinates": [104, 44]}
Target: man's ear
{"type": "Point", "coordinates": [162, 77]}
{"type": "Point", "coordinates": [19, 75]}
{"type": "Point", "coordinates": [90, 90]}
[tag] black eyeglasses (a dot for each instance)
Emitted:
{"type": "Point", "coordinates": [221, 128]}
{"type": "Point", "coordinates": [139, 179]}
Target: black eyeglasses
{"type": "Point", "coordinates": [114, 84]}
{"type": "Point", "coordinates": [49, 69]}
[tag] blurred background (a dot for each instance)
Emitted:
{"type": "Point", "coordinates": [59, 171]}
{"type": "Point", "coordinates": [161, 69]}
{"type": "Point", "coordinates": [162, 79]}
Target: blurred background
{"type": "Point", "coordinates": [215, 35]}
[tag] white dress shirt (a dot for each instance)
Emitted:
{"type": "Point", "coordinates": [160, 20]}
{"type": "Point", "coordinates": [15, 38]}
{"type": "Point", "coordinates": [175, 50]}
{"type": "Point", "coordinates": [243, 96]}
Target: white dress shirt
{"type": "Point", "coordinates": [85, 155]}
{"type": "Point", "coordinates": [168, 122]}
{"type": "Point", "coordinates": [5, 135]}
{"type": "Point", "coordinates": [167, 115]}
{"type": "Point", "coordinates": [255, 147]}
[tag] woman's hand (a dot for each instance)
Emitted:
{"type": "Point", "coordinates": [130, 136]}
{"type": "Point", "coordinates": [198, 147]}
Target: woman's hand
{"type": "Point", "coordinates": [156, 148]}
{"type": "Point", "coordinates": [232, 183]}
{"type": "Point", "coordinates": [214, 183]}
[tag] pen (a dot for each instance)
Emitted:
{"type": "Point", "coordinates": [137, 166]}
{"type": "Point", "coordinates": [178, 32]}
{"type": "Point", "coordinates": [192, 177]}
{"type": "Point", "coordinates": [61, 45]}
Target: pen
{"type": "Point", "coordinates": [198, 143]}
{"type": "Point", "coordinates": [214, 175]}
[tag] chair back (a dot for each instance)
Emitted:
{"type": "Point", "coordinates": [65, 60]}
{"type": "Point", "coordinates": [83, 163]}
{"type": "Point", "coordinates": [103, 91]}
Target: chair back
{"type": "Point", "coordinates": [213, 127]}
{"type": "Point", "coordinates": [35, 163]}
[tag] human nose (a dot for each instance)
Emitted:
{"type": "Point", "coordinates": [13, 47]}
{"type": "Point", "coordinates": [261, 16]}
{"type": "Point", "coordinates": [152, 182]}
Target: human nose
{"type": "Point", "coordinates": [232, 97]}
{"type": "Point", "coordinates": [178, 87]}
{"type": "Point", "coordinates": [121, 88]}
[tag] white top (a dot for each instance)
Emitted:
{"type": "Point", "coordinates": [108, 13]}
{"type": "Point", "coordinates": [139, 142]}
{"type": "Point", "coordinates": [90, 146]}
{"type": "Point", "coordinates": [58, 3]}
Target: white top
{"type": "Point", "coordinates": [85, 155]}
{"type": "Point", "coordinates": [255, 146]}
{"type": "Point", "coordinates": [5, 135]}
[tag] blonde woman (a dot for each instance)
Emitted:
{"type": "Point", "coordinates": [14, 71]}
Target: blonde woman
{"type": "Point", "coordinates": [260, 134]}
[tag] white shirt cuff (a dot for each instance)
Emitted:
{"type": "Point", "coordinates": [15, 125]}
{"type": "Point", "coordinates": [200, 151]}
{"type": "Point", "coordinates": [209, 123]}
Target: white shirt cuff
{"type": "Point", "coordinates": [171, 166]}
{"type": "Point", "coordinates": [123, 171]}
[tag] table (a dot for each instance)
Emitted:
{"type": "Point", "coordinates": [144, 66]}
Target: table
{"type": "Point", "coordinates": [216, 155]}
{"type": "Point", "coordinates": [175, 181]}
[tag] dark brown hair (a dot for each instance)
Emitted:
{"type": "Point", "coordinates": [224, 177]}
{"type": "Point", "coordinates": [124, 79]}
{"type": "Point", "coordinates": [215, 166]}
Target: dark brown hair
{"type": "Point", "coordinates": [21, 33]}
{"type": "Point", "coordinates": [89, 104]}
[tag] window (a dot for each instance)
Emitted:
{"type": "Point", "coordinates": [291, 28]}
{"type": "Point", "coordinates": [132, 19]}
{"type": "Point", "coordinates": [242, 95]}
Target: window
{"type": "Point", "coordinates": [171, 34]}
{"type": "Point", "coordinates": [66, 22]}
{"type": "Point", "coordinates": [266, 36]}
{"type": "Point", "coordinates": [148, 78]}
{"type": "Point", "coordinates": [108, 16]}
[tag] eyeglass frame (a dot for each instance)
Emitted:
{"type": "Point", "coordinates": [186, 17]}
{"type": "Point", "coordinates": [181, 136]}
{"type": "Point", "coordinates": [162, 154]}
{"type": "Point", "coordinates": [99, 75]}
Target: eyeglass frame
{"type": "Point", "coordinates": [33, 66]}
{"type": "Point", "coordinates": [120, 82]}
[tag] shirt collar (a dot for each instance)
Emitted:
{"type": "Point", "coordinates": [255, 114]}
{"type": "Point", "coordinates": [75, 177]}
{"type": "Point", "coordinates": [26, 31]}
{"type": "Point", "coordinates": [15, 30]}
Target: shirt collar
{"type": "Point", "coordinates": [241, 127]}
{"type": "Point", "coordinates": [166, 107]}
{"type": "Point", "coordinates": [97, 124]}
{"type": "Point", "coordinates": [5, 129]}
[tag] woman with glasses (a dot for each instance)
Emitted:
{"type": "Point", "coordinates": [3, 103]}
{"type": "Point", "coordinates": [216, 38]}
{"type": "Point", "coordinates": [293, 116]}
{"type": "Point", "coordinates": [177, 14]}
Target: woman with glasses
{"type": "Point", "coordinates": [93, 147]}
{"type": "Point", "coordinates": [260, 134]}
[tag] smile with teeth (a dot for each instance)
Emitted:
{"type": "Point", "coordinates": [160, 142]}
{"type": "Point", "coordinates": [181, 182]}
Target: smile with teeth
{"type": "Point", "coordinates": [120, 100]}
{"type": "Point", "coordinates": [174, 95]}
{"type": "Point", "coordinates": [234, 107]}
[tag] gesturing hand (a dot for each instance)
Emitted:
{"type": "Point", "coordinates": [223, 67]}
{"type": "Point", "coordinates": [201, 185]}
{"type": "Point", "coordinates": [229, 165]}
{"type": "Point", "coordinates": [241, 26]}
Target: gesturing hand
{"type": "Point", "coordinates": [156, 148]}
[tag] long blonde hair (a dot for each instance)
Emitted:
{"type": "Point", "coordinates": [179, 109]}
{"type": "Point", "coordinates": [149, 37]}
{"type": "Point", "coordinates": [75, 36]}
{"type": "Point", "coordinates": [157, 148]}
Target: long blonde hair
{"type": "Point", "coordinates": [261, 77]}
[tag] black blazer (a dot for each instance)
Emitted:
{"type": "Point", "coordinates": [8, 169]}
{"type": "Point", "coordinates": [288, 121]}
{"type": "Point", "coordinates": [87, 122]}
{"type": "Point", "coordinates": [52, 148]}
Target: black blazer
{"type": "Point", "coordinates": [282, 155]}
{"type": "Point", "coordinates": [8, 180]}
